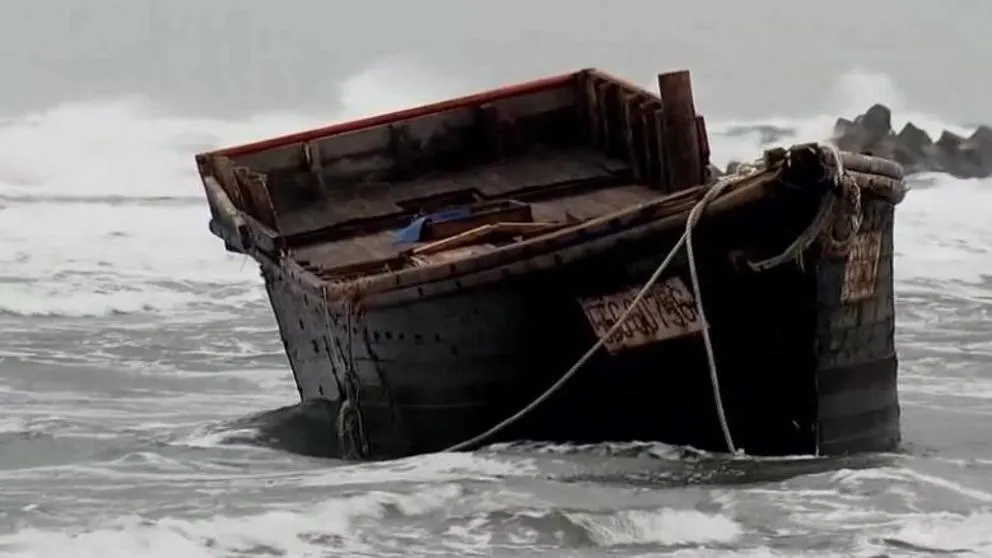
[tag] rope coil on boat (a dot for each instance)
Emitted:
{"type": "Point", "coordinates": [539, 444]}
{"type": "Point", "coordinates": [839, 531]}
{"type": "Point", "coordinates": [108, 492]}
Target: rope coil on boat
{"type": "Point", "coordinates": [838, 219]}
{"type": "Point", "coordinates": [839, 234]}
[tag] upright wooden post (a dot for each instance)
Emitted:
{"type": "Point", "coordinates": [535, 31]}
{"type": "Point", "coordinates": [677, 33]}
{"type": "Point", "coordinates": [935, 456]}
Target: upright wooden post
{"type": "Point", "coordinates": [680, 138]}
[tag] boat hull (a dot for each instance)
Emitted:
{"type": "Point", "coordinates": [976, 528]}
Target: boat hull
{"type": "Point", "coordinates": [804, 365]}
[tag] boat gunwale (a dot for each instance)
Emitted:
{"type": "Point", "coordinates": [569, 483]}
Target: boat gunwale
{"type": "Point", "coordinates": [543, 251]}
{"type": "Point", "coordinates": [575, 242]}
{"type": "Point", "coordinates": [478, 98]}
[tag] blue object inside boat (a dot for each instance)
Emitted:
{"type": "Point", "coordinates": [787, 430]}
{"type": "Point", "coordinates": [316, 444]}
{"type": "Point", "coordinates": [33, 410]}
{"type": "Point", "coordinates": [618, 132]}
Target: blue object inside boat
{"type": "Point", "coordinates": [414, 231]}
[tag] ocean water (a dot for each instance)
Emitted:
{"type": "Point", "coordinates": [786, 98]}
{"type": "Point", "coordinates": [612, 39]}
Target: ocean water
{"type": "Point", "coordinates": [146, 408]}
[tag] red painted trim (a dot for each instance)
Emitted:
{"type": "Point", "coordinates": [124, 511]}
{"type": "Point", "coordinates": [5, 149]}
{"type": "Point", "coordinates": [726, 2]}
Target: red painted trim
{"type": "Point", "coordinates": [470, 100]}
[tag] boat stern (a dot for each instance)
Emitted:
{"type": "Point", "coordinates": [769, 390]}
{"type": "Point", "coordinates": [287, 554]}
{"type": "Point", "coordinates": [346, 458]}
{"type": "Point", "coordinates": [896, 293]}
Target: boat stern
{"type": "Point", "coordinates": [856, 362]}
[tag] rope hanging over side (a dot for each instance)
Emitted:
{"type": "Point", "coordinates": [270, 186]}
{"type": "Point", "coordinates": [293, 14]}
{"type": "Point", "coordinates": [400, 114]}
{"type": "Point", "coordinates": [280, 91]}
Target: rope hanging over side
{"type": "Point", "coordinates": [694, 215]}
{"type": "Point", "coordinates": [352, 438]}
{"type": "Point", "coordinates": [823, 227]}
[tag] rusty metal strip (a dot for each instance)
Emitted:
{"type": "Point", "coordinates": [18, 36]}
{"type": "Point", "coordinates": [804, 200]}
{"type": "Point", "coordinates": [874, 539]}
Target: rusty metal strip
{"type": "Point", "coordinates": [861, 267]}
{"type": "Point", "coordinates": [627, 102]}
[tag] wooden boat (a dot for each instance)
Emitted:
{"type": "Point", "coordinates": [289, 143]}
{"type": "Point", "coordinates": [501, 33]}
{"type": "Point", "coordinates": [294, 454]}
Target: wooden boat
{"type": "Point", "coordinates": [436, 274]}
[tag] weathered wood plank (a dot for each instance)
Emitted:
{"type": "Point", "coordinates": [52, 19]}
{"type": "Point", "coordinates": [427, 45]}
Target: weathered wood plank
{"type": "Point", "coordinates": [682, 150]}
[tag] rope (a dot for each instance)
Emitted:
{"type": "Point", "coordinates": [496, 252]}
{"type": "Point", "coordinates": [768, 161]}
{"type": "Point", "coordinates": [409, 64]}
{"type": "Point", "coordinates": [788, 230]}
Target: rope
{"type": "Point", "coordinates": [827, 217]}
{"type": "Point", "coordinates": [694, 215]}
{"type": "Point", "coordinates": [690, 224]}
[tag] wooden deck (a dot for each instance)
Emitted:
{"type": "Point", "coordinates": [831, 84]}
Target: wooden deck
{"type": "Point", "coordinates": [382, 245]}
{"type": "Point", "coordinates": [497, 180]}
{"type": "Point", "coordinates": [564, 186]}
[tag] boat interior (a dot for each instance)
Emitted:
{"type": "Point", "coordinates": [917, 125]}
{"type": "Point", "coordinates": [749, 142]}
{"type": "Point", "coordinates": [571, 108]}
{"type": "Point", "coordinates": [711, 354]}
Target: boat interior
{"type": "Point", "coordinates": [461, 177]}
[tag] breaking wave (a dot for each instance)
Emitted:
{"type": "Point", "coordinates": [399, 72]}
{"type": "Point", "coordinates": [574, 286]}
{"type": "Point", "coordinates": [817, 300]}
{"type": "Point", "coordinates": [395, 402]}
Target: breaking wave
{"type": "Point", "coordinates": [380, 523]}
{"type": "Point", "coordinates": [484, 505]}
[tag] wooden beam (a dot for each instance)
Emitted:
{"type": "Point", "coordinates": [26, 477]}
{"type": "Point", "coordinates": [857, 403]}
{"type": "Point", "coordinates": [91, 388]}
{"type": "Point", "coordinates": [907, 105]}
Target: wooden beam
{"type": "Point", "coordinates": [315, 165]}
{"type": "Point", "coordinates": [681, 139]}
